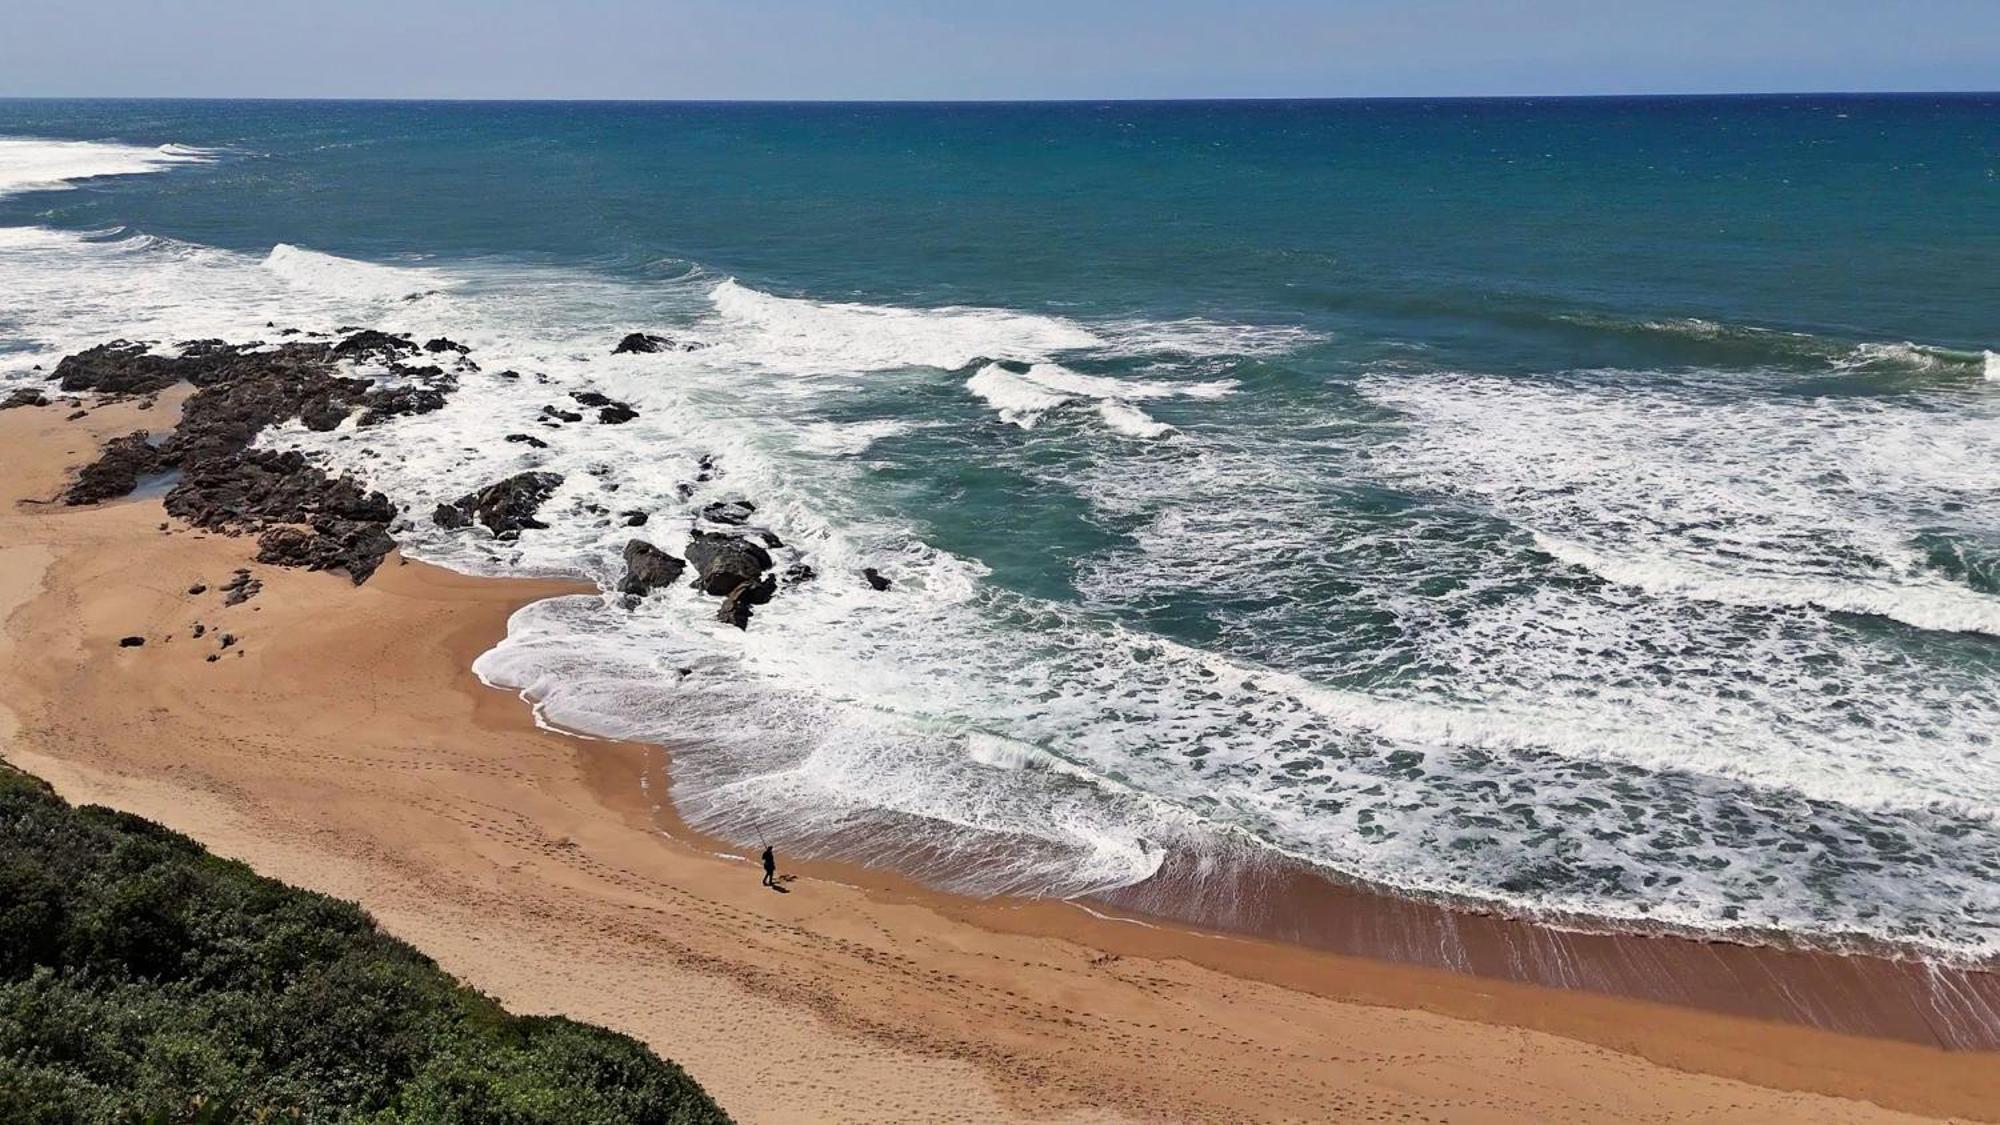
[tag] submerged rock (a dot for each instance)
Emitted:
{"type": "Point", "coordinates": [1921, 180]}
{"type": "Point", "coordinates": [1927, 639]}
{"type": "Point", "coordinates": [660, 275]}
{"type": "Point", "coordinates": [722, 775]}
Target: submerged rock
{"type": "Point", "coordinates": [506, 508]}
{"type": "Point", "coordinates": [647, 568]}
{"type": "Point", "coordinates": [732, 512]}
{"type": "Point", "coordinates": [370, 344]}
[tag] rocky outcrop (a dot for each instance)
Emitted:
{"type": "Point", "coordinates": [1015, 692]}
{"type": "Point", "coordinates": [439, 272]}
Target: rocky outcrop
{"type": "Point", "coordinates": [506, 508]}
{"type": "Point", "coordinates": [262, 486]}
{"type": "Point", "coordinates": [724, 562]}
{"type": "Point", "coordinates": [379, 346]}
{"type": "Point", "coordinates": [305, 517]}
{"type": "Point", "coordinates": [641, 342]}
{"type": "Point", "coordinates": [647, 568]}
{"type": "Point", "coordinates": [26, 396]}
{"type": "Point", "coordinates": [355, 546]}
{"type": "Point", "coordinates": [116, 471]}
{"type": "Point", "coordinates": [302, 516]}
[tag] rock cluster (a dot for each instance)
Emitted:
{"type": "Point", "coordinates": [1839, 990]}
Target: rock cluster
{"type": "Point", "coordinates": [506, 508]}
{"type": "Point", "coordinates": [302, 516]}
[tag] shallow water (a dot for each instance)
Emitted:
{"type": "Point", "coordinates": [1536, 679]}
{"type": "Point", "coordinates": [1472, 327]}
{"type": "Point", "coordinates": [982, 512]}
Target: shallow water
{"type": "Point", "coordinates": [1585, 507]}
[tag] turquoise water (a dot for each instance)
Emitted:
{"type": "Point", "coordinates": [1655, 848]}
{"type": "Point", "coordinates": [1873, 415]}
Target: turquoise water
{"type": "Point", "coordinates": [1578, 507]}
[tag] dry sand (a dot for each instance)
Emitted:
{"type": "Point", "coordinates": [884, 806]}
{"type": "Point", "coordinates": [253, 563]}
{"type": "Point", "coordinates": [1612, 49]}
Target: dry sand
{"type": "Point", "coordinates": [343, 745]}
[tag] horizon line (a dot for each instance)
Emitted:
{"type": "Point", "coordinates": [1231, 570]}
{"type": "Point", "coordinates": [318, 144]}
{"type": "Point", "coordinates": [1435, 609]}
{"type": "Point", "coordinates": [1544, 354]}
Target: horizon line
{"type": "Point", "coordinates": [1600, 96]}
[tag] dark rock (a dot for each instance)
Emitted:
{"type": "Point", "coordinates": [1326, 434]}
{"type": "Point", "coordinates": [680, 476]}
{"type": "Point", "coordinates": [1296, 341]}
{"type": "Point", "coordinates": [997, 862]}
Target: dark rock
{"type": "Point", "coordinates": [323, 414]}
{"type": "Point", "coordinates": [590, 398]}
{"type": "Point", "coordinates": [119, 367]}
{"type": "Point", "coordinates": [75, 414]}
{"type": "Point", "coordinates": [505, 507]}
{"type": "Point", "coordinates": [228, 639]}
{"type": "Point", "coordinates": [564, 415]}
{"type": "Point", "coordinates": [528, 439]}
{"type": "Point", "coordinates": [799, 572]}
{"type": "Point", "coordinates": [451, 518]}
{"type": "Point", "coordinates": [648, 568]}
{"type": "Point", "coordinates": [131, 642]}
{"type": "Point", "coordinates": [509, 375]}
{"type": "Point", "coordinates": [642, 342]}
{"type": "Point", "coordinates": [25, 396]}
{"type": "Point", "coordinates": [875, 578]}
{"type": "Point", "coordinates": [370, 344]}
{"type": "Point", "coordinates": [443, 345]}
{"type": "Point", "coordinates": [262, 486]}
{"type": "Point", "coordinates": [212, 658]}
{"type": "Point", "coordinates": [354, 546]}
{"type": "Point", "coordinates": [724, 562]}
{"type": "Point", "coordinates": [735, 608]}
{"type": "Point", "coordinates": [197, 589]}
{"type": "Point", "coordinates": [635, 519]}
{"type": "Point", "coordinates": [116, 471]}
{"type": "Point", "coordinates": [384, 403]}
{"type": "Point", "coordinates": [617, 414]}
{"type": "Point", "coordinates": [200, 630]}
{"type": "Point", "coordinates": [770, 539]}
{"type": "Point", "coordinates": [238, 590]}
{"type": "Point", "coordinates": [732, 512]}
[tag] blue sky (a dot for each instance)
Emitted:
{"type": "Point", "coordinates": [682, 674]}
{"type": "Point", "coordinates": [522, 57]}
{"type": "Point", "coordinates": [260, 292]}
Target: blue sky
{"type": "Point", "coordinates": [992, 49]}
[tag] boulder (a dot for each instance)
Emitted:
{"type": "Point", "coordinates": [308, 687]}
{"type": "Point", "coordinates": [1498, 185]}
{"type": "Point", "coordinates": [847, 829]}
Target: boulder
{"type": "Point", "coordinates": [506, 508]}
{"type": "Point", "coordinates": [441, 344]}
{"type": "Point", "coordinates": [724, 562]}
{"type": "Point", "coordinates": [647, 568]}
{"type": "Point", "coordinates": [874, 578]}
{"type": "Point", "coordinates": [25, 396]}
{"type": "Point", "coordinates": [634, 518]}
{"type": "Point", "coordinates": [617, 414]}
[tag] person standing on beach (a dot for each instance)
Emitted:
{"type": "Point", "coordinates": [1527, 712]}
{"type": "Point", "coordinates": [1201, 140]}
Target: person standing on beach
{"type": "Point", "coordinates": [770, 867]}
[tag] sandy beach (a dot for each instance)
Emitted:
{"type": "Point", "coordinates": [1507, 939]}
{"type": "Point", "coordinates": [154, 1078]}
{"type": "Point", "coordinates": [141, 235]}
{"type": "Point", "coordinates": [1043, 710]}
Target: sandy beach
{"type": "Point", "coordinates": [341, 743]}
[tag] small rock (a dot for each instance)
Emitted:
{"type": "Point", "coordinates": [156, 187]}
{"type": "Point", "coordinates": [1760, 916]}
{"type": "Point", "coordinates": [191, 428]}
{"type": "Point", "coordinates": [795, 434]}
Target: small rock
{"type": "Point", "coordinates": [198, 589]}
{"type": "Point", "coordinates": [131, 642]}
{"type": "Point", "coordinates": [528, 439]}
{"type": "Point", "coordinates": [635, 519]}
{"type": "Point", "coordinates": [732, 512]}
{"type": "Point", "coordinates": [875, 578]}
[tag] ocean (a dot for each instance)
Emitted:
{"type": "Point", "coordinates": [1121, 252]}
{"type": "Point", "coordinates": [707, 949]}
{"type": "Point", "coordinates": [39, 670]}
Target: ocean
{"type": "Point", "coordinates": [1581, 509]}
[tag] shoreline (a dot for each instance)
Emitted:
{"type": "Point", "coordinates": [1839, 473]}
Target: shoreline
{"type": "Point", "coordinates": [373, 765]}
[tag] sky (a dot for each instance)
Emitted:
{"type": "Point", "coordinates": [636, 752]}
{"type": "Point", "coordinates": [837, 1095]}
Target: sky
{"type": "Point", "coordinates": [995, 49]}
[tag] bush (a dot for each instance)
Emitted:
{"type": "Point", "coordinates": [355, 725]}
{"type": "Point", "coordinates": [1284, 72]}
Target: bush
{"type": "Point", "coordinates": [144, 980]}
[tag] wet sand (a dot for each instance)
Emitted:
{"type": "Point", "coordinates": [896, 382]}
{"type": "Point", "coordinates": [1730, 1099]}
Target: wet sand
{"type": "Point", "coordinates": [343, 745]}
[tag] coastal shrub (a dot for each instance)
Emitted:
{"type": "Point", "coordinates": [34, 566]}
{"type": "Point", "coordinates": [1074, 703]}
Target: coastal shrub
{"type": "Point", "coordinates": [145, 980]}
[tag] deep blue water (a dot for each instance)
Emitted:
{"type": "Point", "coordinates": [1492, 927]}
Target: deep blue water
{"type": "Point", "coordinates": [1581, 505]}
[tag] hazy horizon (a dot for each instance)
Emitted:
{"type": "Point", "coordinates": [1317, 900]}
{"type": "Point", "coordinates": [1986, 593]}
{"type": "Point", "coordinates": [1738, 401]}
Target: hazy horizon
{"type": "Point", "coordinates": [1037, 50]}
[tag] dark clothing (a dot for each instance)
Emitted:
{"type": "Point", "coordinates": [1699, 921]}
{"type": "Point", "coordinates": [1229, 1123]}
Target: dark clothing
{"type": "Point", "coordinates": [770, 868]}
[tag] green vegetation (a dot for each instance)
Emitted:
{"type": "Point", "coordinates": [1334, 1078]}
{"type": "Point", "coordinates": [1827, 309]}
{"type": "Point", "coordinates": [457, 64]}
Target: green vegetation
{"type": "Point", "coordinates": [145, 980]}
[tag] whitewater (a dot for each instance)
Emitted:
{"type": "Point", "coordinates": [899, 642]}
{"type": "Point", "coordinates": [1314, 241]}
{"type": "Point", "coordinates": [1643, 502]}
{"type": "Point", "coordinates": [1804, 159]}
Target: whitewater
{"type": "Point", "coordinates": [1699, 648]}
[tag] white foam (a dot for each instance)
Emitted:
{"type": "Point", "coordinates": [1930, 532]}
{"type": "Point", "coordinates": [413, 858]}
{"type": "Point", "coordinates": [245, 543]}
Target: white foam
{"type": "Point", "coordinates": [346, 278]}
{"type": "Point", "coordinates": [1020, 401]}
{"type": "Point", "coordinates": [1453, 715]}
{"type": "Point", "coordinates": [810, 337]}
{"type": "Point", "coordinates": [1131, 421]}
{"type": "Point", "coordinates": [1992, 365]}
{"type": "Point", "coordinates": [32, 164]}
